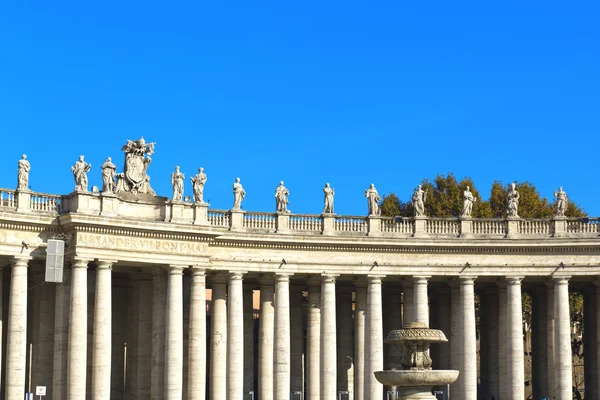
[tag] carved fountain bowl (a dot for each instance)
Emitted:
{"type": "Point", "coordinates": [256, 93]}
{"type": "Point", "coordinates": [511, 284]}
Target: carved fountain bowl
{"type": "Point", "coordinates": [416, 332]}
{"type": "Point", "coordinates": [416, 378]}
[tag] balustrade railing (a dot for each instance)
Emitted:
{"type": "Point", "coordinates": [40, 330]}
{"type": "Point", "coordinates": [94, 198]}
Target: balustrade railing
{"type": "Point", "coordinates": [489, 227]}
{"type": "Point", "coordinates": [218, 218]}
{"type": "Point", "coordinates": [350, 224]}
{"type": "Point", "coordinates": [300, 222]}
{"type": "Point", "coordinates": [8, 199]}
{"type": "Point", "coordinates": [397, 225]}
{"type": "Point", "coordinates": [542, 227]}
{"type": "Point", "coordinates": [584, 225]}
{"type": "Point", "coordinates": [44, 202]}
{"type": "Point", "coordinates": [259, 220]}
{"type": "Point", "coordinates": [442, 226]}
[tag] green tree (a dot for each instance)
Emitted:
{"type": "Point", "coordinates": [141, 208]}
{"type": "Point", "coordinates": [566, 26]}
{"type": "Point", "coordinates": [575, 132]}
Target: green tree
{"type": "Point", "coordinates": [392, 206]}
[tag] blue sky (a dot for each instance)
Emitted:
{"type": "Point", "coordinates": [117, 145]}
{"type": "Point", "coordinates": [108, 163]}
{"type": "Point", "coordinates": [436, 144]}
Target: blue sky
{"type": "Point", "coordinates": [308, 92]}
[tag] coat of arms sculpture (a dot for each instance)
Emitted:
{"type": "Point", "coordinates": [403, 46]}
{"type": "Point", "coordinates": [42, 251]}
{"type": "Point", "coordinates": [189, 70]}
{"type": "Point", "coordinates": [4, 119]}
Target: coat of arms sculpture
{"type": "Point", "coordinates": [134, 178]}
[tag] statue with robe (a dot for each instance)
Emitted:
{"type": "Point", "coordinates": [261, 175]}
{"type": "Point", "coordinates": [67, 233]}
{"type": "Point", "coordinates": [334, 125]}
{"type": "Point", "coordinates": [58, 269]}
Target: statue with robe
{"type": "Point", "coordinates": [329, 193]}
{"type": "Point", "coordinates": [109, 170]}
{"type": "Point", "coordinates": [281, 198]}
{"type": "Point", "coordinates": [238, 194]}
{"type": "Point", "coordinates": [23, 173]}
{"type": "Point", "coordinates": [198, 182]}
{"type": "Point", "coordinates": [177, 178]}
{"type": "Point", "coordinates": [373, 200]}
{"type": "Point", "coordinates": [80, 170]}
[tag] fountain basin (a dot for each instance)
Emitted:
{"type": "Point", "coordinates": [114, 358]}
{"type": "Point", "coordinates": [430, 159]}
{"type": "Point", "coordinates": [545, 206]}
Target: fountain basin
{"type": "Point", "coordinates": [416, 378]}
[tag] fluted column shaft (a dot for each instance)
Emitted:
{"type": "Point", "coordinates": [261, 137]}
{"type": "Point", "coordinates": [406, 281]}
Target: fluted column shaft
{"type": "Point", "coordinates": [516, 361]}
{"type": "Point", "coordinates": [564, 364]}
{"type": "Point", "coordinates": [235, 337]}
{"type": "Point", "coordinates": [102, 350]}
{"type": "Point", "coordinates": [469, 350]}
{"type": "Point", "coordinates": [174, 335]}
{"type": "Point", "coordinates": [313, 340]}
{"type": "Point", "coordinates": [282, 361]}
{"type": "Point", "coordinates": [16, 338]}
{"type": "Point", "coordinates": [197, 337]}
{"type": "Point", "coordinates": [420, 302]}
{"type": "Point", "coordinates": [328, 339]}
{"type": "Point", "coordinates": [374, 339]}
{"type": "Point", "coordinates": [77, 363]}
{"type": "Point", "coordinates": [266, 340]}
{"type": "Point", "coordinates": [218, 339]}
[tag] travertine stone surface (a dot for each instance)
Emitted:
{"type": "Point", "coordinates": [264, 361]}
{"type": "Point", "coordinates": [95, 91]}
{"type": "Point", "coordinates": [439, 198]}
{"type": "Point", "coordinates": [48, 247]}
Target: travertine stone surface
{"type": "Point", "coordinates": [328, 338]}
{"type": "Point", "coordinates": [159, 305]}
{"type": "Point", "coordinates": [174, 334]}
{"type": "Point", "coordinates": [102, 351]}
{"type": "Point", "coordinates": [16, 337]}
{"type": "Point", "coordinates": [282, 354]}
{"type": "Point", "coordinates": [77, 364]}
{"type": "Point", "coordinates": [516, 361]}
{"type": "Point", "coordinates": [563, 377]}
{"type": "Point", "coordinates": [218, 339]}
{"type": "Point", "coordinates": [235, 337]}
{"type": "Point", "coordinates": [468, 369]}
{"type": "Point", "coordinates": [421, 302]}
{"type": "Point", "coordinates": [359, 339]}
{"type": "Point", "coordinates": [313, 339]}
{"type": "Point", "coordinates": [196, 389]}
{"type": "Point", "coordinates": [266, 339]}
{"type": "Point", "coordinates": [373, 338]}
{"type": "Point", "coordinates": [345, 340]}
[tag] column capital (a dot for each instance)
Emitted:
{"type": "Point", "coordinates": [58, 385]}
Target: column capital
{"type": "Point", "coordinates": [21, 261]}
{"type": "Point", "coordinates": [514, 280]}
{"type": "Point", "coordinates": [236, 276]}
{"type": "Point", "coordinates": [421, 279]}
{"type": "Point", "coordinates": [328, 278]}
{"type": "Point", "coordinates": [198, 270]}
{"type": "Point", "coordinates": [561, 280]}
{"type": "Point", "coordinates": [175, 269]}
{"type": "Point", "coordinates": [80, 263]}
{"type": "Point", "coordinates": [375, 279]}
{"type": "Point", "coordinates": [467, 280]}
{"type": "Point", "coordinates": [282, 276]}
{"type": "Point", "coordinates": [105, 264]}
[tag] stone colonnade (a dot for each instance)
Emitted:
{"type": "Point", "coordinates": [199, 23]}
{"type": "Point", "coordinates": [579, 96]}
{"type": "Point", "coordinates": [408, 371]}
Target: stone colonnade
{"type": "Point", "coordinates": [341, 349]}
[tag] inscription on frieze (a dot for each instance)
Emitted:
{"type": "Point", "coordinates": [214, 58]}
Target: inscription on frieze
{"type": "Point", "coordinates": [140, 244]}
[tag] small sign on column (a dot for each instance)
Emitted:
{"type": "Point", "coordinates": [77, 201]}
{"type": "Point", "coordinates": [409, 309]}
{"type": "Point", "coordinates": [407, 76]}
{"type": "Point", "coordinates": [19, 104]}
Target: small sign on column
{"type": "Point", "coordinates": [40, 391]}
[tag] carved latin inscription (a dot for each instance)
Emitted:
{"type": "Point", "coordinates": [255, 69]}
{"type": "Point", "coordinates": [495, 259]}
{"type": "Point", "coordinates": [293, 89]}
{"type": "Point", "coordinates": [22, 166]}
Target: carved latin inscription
{"type": "Point", "coordinates": [140, 244]}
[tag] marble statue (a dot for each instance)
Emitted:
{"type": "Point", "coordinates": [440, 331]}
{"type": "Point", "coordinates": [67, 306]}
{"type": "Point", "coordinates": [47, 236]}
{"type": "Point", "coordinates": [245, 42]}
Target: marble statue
{"type": "Point", "coordinates": [80, 170]}
{"type": "Point", "coordinates": [373, 200]}
{"type": "Point", "coordinates": [23, 173]}
{"type": "Point", "coordinates": [562, 201]}
{"type": "Point", "coordinates": [469, 199]}
{"type": "Point", "coordinates": [512, 209]}
{"type": "Point", "coordinates": [419, 198]}
{"type": "Point", "coordinates": [177, 178]}
{"type": "Point", "coordinates": [329, 193]}
{"type": "Point", "coordinates": [134, 178]}
{"type": "Point", "coordinates": [198, 182]}
{"type": "Point", "coordinates": [281, 198]}
{"type": "Point", "coordinates": [238, 194]}
{"type": "Point", "coordinates": [109, 170]}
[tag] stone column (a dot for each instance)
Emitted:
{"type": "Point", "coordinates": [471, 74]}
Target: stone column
{"type": "Point", "coordinates": [374, 338]}
{"type": "Point", "coordinates": [62, 302]}
{"type": "Point", "coordinates": [551, 339]}
{"type": "Point", "coordinates": [235, 337]}
{"type": "Point", "coordinates": [502, 341]}
{"type": "Point", "coordinates": [16, 337]}
{"type": "Point", "coordinates": [360, 308]}
{"type": "Point", "coordinates": [345, 340]}
{"type": "Point", "coordinates": [159, 305]}
{"type": "Point", "coordinates": [174, 335]}
{"type": "Point", "coordinates": [563, 377]}
{"type": "Point", "coordinates": [408, 314]}
{"type": "Point", "coordinates": [218, 339]}
{"type": "Point", "coordinates": [441, 305]}
{"type": "Point", "coordinates": [249, 341]}
{"type": "Point", "coordinates": [468, 369]}
{"type": "Point", "coordinates": [77, 363]}
{"type": "Point", "coordinates": [328, 339]}
{"type": "Point", "coordinates": [266, 340]}
{"type": "Point", "coordinates": [197, 337]}
{"type": "Point", "coordinates": [392, 320]}
{"type": "Point", "coordinates": [539, 359]}
{"type": "Point", "coordinates": [455, 338]}
{"type": "Point", "coordinates": [296, 340]}
{"type": "Point", "coordinates": [282, 354]}
{"type": "Point", "coordinates": [420, 302]}
{"type": "Point", "coordinates": [313, 339]}
{"type": "Point", "coordinates": [589, 343]}
{"type": "Point", "coordinates": [516, 361]}
{"type": "Point", "coordinates": [102, 350]}
{"type": "Point", "coordinates": [492, 308]}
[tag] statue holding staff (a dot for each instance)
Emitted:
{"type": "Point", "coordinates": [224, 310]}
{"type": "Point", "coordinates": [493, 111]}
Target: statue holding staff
{"type": "Point", "coordinates": [80, 170]}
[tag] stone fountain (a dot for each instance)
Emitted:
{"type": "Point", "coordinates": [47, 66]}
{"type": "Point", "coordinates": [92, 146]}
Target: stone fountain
{"type": "Point", "coordinates": [416, 378]}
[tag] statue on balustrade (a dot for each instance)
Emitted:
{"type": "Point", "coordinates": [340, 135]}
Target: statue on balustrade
{"type": "Point", "coordinates": [329, 193]}
{"type": "Point", "coordinates": [562, 201]}
{"type": "Point", "coordinates": [373, 200]}
{"type": "Point", "coordinates": [177, 178]}
{"type": "Point", "coordinates": [109, 170]}
{"type": "Point", "coordinates": [513, 202]}
{"type": "Point", "coordinates": [23, 173]}
{"type": "Point", "coordinates": [419, 198]}
{"type": "Point", "coordinates": [281, 198]}
{"type": "Point", "coordinates": [198, 182]}
{"type": "Point", "coordinates": [135, 179]}
{"type": "Point", "coordinates": [80, 170]}
{"type": "Point", "coordinates": [238, 194]}
{"type": "Point", "coordinates": [469, 199]}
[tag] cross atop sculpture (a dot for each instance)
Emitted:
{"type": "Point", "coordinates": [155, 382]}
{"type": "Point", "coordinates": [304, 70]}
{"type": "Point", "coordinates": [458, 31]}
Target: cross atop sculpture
{"type": "Point", "coordinates": [134, 177]}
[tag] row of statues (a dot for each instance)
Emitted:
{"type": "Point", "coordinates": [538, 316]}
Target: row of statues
{"type": "Point", "coordinates": [138, 180]}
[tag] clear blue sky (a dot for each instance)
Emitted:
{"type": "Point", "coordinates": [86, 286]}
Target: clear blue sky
{"type": "Point", "coordinates": [306, 92]}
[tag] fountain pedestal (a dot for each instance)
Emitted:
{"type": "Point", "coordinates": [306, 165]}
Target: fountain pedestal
{"type": "Point", "coordinates": [416, 378]}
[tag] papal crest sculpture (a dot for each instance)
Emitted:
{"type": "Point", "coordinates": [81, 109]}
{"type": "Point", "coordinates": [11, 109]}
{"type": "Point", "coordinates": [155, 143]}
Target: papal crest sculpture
{"type": "Point", "coordinates": [134, 178]}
